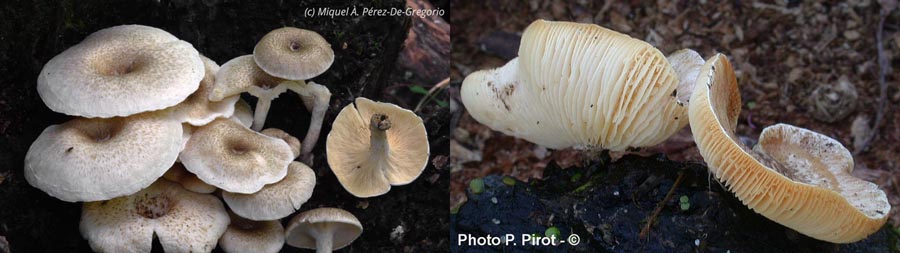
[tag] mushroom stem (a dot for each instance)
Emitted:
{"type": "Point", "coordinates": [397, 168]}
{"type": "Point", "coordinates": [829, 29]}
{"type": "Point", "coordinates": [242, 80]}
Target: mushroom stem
{"type": "Point", "coordinates": [262, 110]}
{"type": "Point", "coordinates": [378, 125]}
{"type": "Point", "coordinates": [324, 241]}
{"type": "Point", "coordinates": [315, 98]}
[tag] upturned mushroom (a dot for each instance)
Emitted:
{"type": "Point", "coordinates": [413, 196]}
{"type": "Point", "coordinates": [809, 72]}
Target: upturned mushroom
{"type": "Point", "coordinates": [99, 159]}
{"type": "Point", "coordinates": [229, 156]}
{"type": "Point", "coordinates": [245, 235]}
{"type": "Point", "coordinates": [278, 200]}
{"type": "Point", "coordinates": [120, 71]}
{"type": "Point", "coordinates": [184, 221]}
{"type": "Point", "coordinates": [323, 229]}
{"type": "Point", "coordinates": [374, 145]}
{"type": "Point", "coordinates": [241, 74]}
{"type": "Point", "coordinates": [794, 176]}
{"type": "Point", "coordinates": [583, 86]}
{"type": "Point", "coordinates": [197, 109]}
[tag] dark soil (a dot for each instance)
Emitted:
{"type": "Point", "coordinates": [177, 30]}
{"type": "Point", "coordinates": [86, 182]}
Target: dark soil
{"type": "Point", "coordinates": [607, 205]}
{"type": "Point", "coordinates": [366, 49]}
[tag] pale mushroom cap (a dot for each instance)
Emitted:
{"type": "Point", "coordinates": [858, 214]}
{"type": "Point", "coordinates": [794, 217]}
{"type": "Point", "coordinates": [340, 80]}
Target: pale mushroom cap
{"type": "Point", "coordinates": [184, 221]}
{"type": "Point", "coordinates": [301, 230]}
{"type": "Point", "coordinates": [293, 53]}
{"type": "Point", "coordinates": [252, 236]}
{"type": "Point", "coordinates": [361, 170]}
{"type": "Point", "coordinates": [242, 75]}
{"type": "Point", "coordinates": [286, 137]}
{"type": "Point", "coordinates": [187, 180]}
{"type": "Point", "coordinates": [229, 156]}
{"type": "Point", "coordinates": [99, 159]}
{"type": "Point", "coordinates": [687, 64]}
{"type": "Point", "coordinates": [795, 177]}
{"type": "Point", "coordinates": [278, 200]}
{"type": "Point", "coordinates": [197, 109]}
{"type": "Point", "coordinates": [242, 113]}
{"type": "Point", "coordinates": [579, 85]}
{"type": "Point", "coordinates": [120, 71]}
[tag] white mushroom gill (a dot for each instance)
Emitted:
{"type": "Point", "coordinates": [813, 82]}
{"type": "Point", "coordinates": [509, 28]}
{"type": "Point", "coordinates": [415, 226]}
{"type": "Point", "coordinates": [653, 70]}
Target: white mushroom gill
{"type": "Point", "coordinates": [583, 86]}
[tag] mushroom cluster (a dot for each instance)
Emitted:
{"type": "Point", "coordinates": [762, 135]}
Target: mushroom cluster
{"type": "Point", "coordinates": [584, 86]}
{"type": "Point", "coordinates": [160, 138]}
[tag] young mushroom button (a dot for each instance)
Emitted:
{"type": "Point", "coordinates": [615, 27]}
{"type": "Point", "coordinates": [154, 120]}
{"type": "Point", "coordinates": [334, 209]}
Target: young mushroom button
{"type": "Point", "coordinates": [120, 71]}
{"type": "Point", "coordinates": [99, 159]}
{"type": "Point", "coordinates": [796, 177]}
{"type": "Point", "coordinates": [374, 145]}
{"type": "Point", "coordinates": [184, 221]}
{"type": "Point", "coordinates": [323, 229]}
{"type": "Point", "coordinates": [583, 86]}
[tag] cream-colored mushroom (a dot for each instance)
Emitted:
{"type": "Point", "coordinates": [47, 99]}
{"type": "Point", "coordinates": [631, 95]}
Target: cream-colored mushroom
{"type": "Point", "coordinates": [197, 109]}
{"type": "Point", "coordinates": [293, 53]}
{"type": "Point", "coordinates": [278, 200]}
{"type": "Point", "coordinates": [187, 180]}
{"type": "Point", "coordinates": [323, 229]}
{"type": "Point", "coordinates": [374, 145]}
{"type": "Point", "coordinates": [245, 235]}
{"type": "Point", "coordinates": [120, 71]}
{"type": "Point", "coordinates": [794, 176]}
{"type": "Point", "coordinates": [184, 221]}
{"type": "Point", "coordinates": [99, 159]}
{"type": "Point", "coordinates": [229, 156]}
{"type": "Point", "coordinates": [241, 74]}
{"type": "Point", "coordinates": [583, 86]}
{"type": "Point", "coordinates": [292, 141]}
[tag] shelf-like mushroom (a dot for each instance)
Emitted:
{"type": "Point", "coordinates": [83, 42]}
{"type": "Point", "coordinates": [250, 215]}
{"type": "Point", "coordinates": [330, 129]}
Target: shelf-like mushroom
{"type": "Point", "coordinates": [323, 229]}
{"type": "Point", "coordinates": [796, 177]}
{"type": "Point", "coordinates": [184, 221]}
{"type": "Point", "coordinates": [374, 145]}
{"type": "Point", "coordinates": [99, 159]}
{"type": "Point", "coordinates": [229, 156]}
{"type": "Point", "coordinates": [583, 86]}
{"type": "Point", "coordinates": [120, 71]}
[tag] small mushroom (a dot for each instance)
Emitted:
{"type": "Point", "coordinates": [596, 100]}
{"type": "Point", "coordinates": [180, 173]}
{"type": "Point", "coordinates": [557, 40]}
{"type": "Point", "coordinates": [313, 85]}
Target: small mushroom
{"type": "Point", "coordinates": [278, 200]}
{"type": "Point", "coordinates": [187, 180]}
{"type": "Point", "coordinates": [121, 71]}
{"type": "Point", "coordinates": [197, 109]}
{"type": "Point", "coordinates": [245, 235]}
{"type": "Point", "coordinates": [286, 137]}
{"type": "Point", "coordinates": [229, 156]}
{"type": "Point", "coordinates": [242, 113]}
{"type": "Point", "coordinates": [293, 53]}
{"type": "Point", "coordinates": [582, 86]}
{"type": "Point", "coordinates": [374, 145]}
{"type": "Point", "coordinates": [184, 221]}
{"type": "Point", "coordinates": [99, 159]}
{"type": "Point", "coordinates": [796, 177]}
{"type": "Point", "coordinates": [241, 74]}
{"type": "Point", "coordinates": [323, 229]}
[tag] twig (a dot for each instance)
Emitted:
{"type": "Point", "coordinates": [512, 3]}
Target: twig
{"type": "Point", "coordinates": [882, 72]}
{"type": "Point", "coordinates": [659, 207]}
{"type": "Point", "coordinates": [438, 86]}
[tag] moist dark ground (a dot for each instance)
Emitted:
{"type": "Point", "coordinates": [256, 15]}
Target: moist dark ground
{"type": "Point", "coordinates": [781, 50]}
{"type": "Point", "coordinates": [365, 49]}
